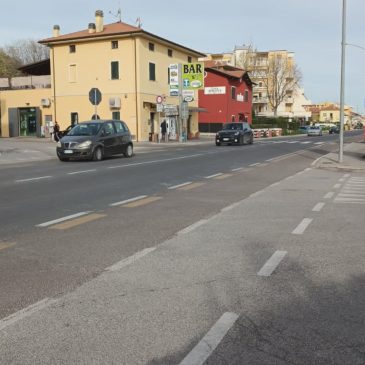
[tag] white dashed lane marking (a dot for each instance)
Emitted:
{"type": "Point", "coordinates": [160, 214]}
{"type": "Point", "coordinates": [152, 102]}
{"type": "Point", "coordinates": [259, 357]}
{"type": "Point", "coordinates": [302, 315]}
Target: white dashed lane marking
{"type": "Point", "coordinates": [272, 263]}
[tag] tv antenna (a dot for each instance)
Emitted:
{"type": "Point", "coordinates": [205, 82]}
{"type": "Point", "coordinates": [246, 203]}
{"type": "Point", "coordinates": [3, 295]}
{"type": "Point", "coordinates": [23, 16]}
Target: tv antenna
{"type": "Point", "coordinates": [118, 15]}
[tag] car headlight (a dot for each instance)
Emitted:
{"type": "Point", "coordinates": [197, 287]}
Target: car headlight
{"type": "Point", "coordinates": [59, 144]}
{"type": "Point", "coordinates": [85, 144]}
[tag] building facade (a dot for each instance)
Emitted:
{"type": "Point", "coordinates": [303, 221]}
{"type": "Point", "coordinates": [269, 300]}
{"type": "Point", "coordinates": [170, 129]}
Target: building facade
{"type": "Point", "coordinates": [227, 96]}
{"type": "Point", "coordinates": [127, 65]}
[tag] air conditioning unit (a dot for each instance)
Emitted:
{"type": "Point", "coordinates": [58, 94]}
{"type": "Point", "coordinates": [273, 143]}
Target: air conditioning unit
{"type": "Point", "coordinates": [114, 102]}
{"type": "Point", "coordinates": [45, 102]}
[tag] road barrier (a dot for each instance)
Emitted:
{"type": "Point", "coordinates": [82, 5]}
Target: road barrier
{"type": "Point", "coordinates": [267, 132]}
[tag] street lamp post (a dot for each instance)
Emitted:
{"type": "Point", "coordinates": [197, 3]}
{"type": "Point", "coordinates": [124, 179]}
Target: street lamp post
{"type": "Point", "coordinates": [342, 93]}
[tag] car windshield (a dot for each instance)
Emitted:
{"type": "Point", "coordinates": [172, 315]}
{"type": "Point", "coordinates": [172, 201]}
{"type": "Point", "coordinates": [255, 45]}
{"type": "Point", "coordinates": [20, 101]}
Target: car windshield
{"type": "Point", "coordinates": [315, 127]}
{"type": "Point", "coordinates": [90, 129]}
{"type": "Point", "coordinates": [232, 126]}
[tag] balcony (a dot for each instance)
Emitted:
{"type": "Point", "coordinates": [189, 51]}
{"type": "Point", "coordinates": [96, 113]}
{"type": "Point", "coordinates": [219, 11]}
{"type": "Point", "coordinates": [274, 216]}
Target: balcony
{"type": "Point", "coordinates": [262, 100]}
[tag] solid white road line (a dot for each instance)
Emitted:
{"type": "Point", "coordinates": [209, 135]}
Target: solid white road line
{"type": "Point", "coordinates": [130, 260]}
{"type": "Point", "coordinates": [201, 352]}
{"type": "Point", "coordinates": [254, 164]}
{"type": "Point", "coordinates": [318, 207]}
{"type": "Point", "coordinates": [329, 195]}
{"type": "Point", "coordinates": [302, 226]}
{"type": "Point", "coordinates": [49, 223]}
{"type": "Point", "coordinates": [336, 186]}
{"type": "Point", "coordinates": [80, 172]}
{"type": "Point", "coordinates": [128, 200]}
{"type": "Point", "coordinates": [33, 179]}
{"type": "Point", "coordinates": [26, 312]}
{"type": "Point", "coordinates": [180, 185]}
{"type": "Point", "coordinates": [193, 226]}
{"type": "Point", "coordinates": [237, 169]}
{"type": "Point", "coordinates": [272, 263]}
{"type": "Point", "coordinates": [215, 175]}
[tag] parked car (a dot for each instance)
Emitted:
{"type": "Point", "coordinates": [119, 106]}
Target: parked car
{"type": "Point", "coordinates": [314, 130]}
{"type": "Point", "coordinates": [303, 130]}
{"type": "Point", "coordinates": [96, 139]}
{"type": "Point", "coordinates": [234, 133]}
{"type": "Point", "coordinates": [334, 130]}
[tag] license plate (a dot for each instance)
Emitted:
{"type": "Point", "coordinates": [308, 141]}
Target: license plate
{"type": "Point", "coordinates": [68, 152]}
{"type": "Point", "coordinates": [225, 139]}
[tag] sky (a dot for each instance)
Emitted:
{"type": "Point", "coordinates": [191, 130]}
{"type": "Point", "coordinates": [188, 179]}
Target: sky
{"type": "Point", "coordinates": [312, 29]}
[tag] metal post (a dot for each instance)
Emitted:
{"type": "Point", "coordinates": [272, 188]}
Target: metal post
{"type": "Point", "coordinates": [180, 102]}
{"type": "Point", "coordinates": [342, 95]}
{"type": "Point", "coordinates": [96, 108]}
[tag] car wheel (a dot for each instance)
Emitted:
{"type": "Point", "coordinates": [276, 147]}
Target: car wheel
{"type": "Point", "coordinates": [251, 140]}
{"type": "Point", "coordinates": [98, 154]}
{"type": "Point", "coordinates": [128, 151]}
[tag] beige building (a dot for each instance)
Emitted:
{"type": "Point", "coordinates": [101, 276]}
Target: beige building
{"type": "Point", "coordinates": [129, 67]}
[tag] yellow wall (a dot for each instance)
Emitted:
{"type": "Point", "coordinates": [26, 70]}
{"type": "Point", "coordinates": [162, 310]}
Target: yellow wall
{"type": "Point", "coordinates": [22, 99]}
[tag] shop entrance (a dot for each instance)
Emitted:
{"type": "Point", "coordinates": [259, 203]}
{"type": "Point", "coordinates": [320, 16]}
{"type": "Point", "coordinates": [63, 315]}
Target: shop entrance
{"type": "Point", "coordinates": [27, 122]}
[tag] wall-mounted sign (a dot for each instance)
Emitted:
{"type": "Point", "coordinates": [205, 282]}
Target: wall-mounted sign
{"type": "Point", "coordinates": [174, 74]}
{"type": "Point", "coordinates": [188, 95]}
{"type": "Point", "coordinates": [239, 97]}
{"type": "Point", "coordinates": [214, 90]}
{"type": "Point", "coordinates": [193, 75]}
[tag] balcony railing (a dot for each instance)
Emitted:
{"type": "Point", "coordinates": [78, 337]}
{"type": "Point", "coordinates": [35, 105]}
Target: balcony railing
{"type": "Point", "coordinates": [260, 100]}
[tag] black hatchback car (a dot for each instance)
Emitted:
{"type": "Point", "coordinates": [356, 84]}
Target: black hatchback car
{"type": "Point", "coordinates": [95, 139]}
{"type": "Point", "coordinates": [234, 133]}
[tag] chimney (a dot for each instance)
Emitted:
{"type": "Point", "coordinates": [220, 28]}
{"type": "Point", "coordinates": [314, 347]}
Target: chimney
{"type": "Point", "coordinates": [92, 27]}
{"type": "Point", "coordinates": [56, 30]}
{"type": "Point", "coordinates": [99, 16]}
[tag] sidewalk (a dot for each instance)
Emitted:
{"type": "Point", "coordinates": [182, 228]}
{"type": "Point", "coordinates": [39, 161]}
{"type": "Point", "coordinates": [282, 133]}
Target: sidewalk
{"type": "Point", "coordinates": [353, 159]}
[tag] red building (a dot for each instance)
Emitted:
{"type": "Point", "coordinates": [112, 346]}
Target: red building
{"type": "Point", "coordinates": [226, 97]}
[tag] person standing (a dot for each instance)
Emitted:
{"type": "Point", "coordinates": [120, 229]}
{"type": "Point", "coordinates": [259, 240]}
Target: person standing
{"type": "Point", "coordinates": [163, 130]}
{"type": "Point", "coordinates": [56, 131]}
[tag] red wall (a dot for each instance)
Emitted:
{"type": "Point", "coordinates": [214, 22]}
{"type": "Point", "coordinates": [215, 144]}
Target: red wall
{"type": "Point", "coordinates": [221, 107]}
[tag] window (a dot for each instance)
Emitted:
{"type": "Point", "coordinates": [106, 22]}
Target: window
{"type": "Point", "coordinates": [116, 116]}
{"type": "Point", "coordinates": [72, 73]}
{"type": "Point", "coordinates": [152, 69]}
{"type": "Point", "coordinates": [245, 97]}
{"type": "Point", "coordinates": [72, 48]}
{"type": "Point", "coordinates": [108, 129]}
{"type": "Point", "coordinates": [151, 46]}
{"type": "Point", "coordinates": [169, 52]}
{"type": "Point", "coordinates": [189, 59]}
{"type": "Point", "coordinates": [119, 126]}
{"type": "Point", "coordinates": [233, 93]}
{"type": "Point", "coordinates": [114, 44]}
{"type": "Point", "coordinates": [74, 118]}
{"type": "Point", "coordinates": [115, 70]}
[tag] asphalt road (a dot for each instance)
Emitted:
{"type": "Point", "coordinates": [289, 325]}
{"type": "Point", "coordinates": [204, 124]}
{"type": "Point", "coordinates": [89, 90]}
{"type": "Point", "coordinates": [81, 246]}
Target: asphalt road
{"type": "Point", "coordinates": [201, 263]}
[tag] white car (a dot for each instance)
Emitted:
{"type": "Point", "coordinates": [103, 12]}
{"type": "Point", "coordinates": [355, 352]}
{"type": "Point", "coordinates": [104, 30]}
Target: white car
{"type": "Point", "coordinates": [314, 130]}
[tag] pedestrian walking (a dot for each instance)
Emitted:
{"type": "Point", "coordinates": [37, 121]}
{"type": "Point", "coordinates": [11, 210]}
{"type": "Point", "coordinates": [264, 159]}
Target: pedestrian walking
{"type": "Point", "coordinates": [56, 131]}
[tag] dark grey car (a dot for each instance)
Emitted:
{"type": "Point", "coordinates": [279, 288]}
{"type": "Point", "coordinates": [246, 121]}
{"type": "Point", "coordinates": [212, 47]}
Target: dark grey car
{"type": "Point", "coordinates": [96, 139]}
{"type": "Point", "coordinates": [234, 133]}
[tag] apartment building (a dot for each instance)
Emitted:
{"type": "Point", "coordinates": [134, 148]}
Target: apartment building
{"type": "Point", "coordinates": [265, 68]}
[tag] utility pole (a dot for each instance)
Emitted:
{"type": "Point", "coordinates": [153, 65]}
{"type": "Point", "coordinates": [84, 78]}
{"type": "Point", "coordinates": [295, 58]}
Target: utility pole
{"type": "Point", "coordinates": [342, 94]}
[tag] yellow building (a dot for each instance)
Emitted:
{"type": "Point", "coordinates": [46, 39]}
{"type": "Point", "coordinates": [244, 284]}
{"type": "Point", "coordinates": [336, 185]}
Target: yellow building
{"type": "Point", "coordinates": [129, 67]}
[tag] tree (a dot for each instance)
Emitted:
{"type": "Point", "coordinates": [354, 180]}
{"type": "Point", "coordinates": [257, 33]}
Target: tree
{"type": "Point", "coordinates": [27, 51]}
{"type": "Point", "coordinates": [8, 66]}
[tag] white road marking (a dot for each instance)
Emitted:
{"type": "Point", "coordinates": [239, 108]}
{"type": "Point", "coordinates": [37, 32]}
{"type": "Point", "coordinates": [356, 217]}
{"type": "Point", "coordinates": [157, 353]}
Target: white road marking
{"type": "Point", "coordinates": [336, 186]}
{"type": "Point", "coordinates": [49, 223]}
{"type": "Point", "coordinates": [319, 143]}
{"type": "Point", "coordinates": [347, 175]}
{"type": "Point", "coordinates": [302, 226]}
{"type": "Point", "coordinates": [230, 207]}
{"type": "Point", "coordinates": [291, 142]}
{"type": "Point", "coordinates": [154, 161]}
{"type": "Point", "coordinates": [275, 184]}
{"type": "Point", "coordinates": [329, 195]}
{"type": "Point", "coordinates": [201, 352]}
{"type": "Point", "coordinates": [33, 179]}
{"type": "Point", "coordinates": [193, 226]}
{"type": "Point", "coordinates": [318, 207]}
{"type": "Point", "coordinates": [342, 179]}
{"type": "Point", "coordinates": [306, 142]}
{"type": "Point", "coordinates": [180, 185]}
{"type": "Point", "coordinates": [215, 175]}
{"type": "Point", "coordinates": [272, 263]}
{"type": "Point", "coordinates": [26, 312]}
{"type": "Point", "coordinates": [254, 164]}
{"type": "Point", "coordinates": [128, 200]}
{"type": "Point", "coordinates": [237, 169]}
{"type": "Point", "coordinates": [80, 172]}
{"type": "Point", "coordinates": [130, 260]}
{"type": "Point", "coordinates": [257, 193]}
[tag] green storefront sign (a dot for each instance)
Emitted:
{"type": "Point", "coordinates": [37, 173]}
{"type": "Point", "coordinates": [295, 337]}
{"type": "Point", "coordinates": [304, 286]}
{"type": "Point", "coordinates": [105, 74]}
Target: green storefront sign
{"type": "Point", "coordinates": [193, 75]}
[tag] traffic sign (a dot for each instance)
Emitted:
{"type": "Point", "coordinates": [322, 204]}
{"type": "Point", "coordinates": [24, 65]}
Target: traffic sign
{"type": "Point", "coordinates": [159, 99]}
{"type": "Point", "coordinates": [95, 96]}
